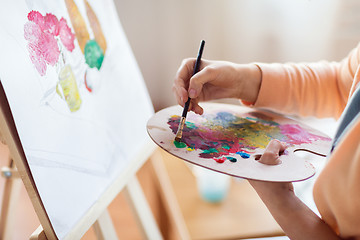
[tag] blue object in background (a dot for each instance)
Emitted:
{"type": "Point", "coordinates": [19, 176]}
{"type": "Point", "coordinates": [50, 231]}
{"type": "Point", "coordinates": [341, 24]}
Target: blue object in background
{"type": "Point", "coordinates": [213, 186]}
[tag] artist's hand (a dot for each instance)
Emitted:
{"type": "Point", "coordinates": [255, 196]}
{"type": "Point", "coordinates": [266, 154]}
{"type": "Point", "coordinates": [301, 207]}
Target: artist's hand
{"type": "Point", "coordinates": [271, 156]}
{"type": "Point", "coordinates": [215, 80]}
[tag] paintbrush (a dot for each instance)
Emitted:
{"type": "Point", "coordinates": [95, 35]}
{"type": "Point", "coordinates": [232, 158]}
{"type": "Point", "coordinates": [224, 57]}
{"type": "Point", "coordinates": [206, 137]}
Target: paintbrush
{"type": "Point", "coordinates": [186, 106]}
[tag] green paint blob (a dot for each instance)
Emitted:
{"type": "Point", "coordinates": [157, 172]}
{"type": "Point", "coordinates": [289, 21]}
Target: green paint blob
{"type": "Point", "coordinates": [94, 55]}
{"type": "Point", "coordinates": [179, 144]}
{"type": "Point", "coordinates": [190, 125]}
{"type": "Point", "coordinates": [232, 159]}
{"type": "Point", "coordinates": [226, 147]}
{"type": "Point", "coordinates": [210, 150]}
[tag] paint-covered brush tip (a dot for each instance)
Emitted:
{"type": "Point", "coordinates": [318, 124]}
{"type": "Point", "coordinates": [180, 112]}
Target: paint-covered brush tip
{"type": "Point", "coordinates": [178, 136]}
{"type": "Point", "coordinates": [180, 130]}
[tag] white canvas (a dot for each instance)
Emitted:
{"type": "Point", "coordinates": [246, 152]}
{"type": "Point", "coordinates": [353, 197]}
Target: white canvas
{"type": "Point", "coordinates": [74, 153]}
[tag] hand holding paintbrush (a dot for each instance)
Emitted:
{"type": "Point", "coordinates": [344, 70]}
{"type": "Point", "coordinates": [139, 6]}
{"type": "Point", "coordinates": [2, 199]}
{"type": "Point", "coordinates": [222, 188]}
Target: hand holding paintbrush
{"type": "Point", "coordinates": [186, 106]}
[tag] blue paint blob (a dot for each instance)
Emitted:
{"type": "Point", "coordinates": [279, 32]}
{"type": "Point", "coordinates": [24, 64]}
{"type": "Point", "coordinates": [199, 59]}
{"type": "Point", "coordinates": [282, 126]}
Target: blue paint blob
{"type": "Point", "coordinates": [243, 154]}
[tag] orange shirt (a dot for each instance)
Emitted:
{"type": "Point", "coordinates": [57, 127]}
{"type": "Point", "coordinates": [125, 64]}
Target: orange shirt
{"type": "Point", "coordinates": [323, 89]}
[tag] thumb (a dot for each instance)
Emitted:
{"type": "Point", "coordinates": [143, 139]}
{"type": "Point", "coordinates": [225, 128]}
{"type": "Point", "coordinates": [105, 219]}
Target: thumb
{"type": "Point", "coordinates": [272, 153]}
{"type": "Point", "coordinates": [195, 86]}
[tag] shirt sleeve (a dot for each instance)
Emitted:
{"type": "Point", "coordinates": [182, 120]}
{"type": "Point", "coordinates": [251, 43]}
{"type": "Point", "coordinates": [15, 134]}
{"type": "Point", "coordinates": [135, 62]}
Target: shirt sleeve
{"type": "Point", "coordinates": [318, 89]}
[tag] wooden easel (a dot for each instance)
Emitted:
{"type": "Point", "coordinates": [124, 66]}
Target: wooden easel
{"type": "Point", "coordinates": [103, 226]}
{"type": "Point", "coordinates": [98, 216]}
{"type": "Point", "coordinates": [11, 192]}
{"type": "Point", "coordinates": [95, 213]}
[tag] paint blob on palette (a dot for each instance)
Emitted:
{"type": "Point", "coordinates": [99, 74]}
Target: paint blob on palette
{"type": "Point", "coordinates": [229, 138]}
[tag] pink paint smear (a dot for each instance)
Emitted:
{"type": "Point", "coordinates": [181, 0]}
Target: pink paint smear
{"type": "Point", "coordinates": [42, 33]}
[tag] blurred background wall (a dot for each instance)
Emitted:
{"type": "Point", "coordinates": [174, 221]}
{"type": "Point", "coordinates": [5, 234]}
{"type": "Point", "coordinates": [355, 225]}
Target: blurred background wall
{"type": "Point", "coordinates": [163, 32]}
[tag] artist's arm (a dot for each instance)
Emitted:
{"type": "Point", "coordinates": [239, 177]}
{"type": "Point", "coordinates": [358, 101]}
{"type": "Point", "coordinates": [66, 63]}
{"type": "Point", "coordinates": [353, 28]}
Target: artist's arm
{"type": "Point", "coordinates": [295, 218]}
{"type": "Point", "coordinates": [319, 89]}
{"type": "Point", "coordinates": [216, 80]}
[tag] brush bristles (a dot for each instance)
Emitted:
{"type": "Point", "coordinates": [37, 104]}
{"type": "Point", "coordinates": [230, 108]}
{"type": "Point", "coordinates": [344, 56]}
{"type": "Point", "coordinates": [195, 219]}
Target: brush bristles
{"type": "Point", "coordinates": [178, 139]}
{"type": "Point", "coordinates": [180, 130]}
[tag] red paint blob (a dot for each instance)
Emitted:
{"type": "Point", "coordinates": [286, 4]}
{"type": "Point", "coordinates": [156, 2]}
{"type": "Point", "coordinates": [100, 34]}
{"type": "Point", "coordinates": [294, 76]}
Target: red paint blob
{"type": "Point", "coordinates": [220, 160]}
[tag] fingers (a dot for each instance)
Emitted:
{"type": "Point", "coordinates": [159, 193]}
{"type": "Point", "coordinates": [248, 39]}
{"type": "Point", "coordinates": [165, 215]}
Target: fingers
{"type": "Point", "coordinates": [272, 152]}
{"type": "Point", "coordinates": [206, 75]}
{"type": "Point", "coordinates": [195, 107]}
{"type": "Point", "coordinates": [198, 110]}
{"type": "Point", "coordinates": [185, 85]}
{"type": "Point", "coordinates": [181, 94]}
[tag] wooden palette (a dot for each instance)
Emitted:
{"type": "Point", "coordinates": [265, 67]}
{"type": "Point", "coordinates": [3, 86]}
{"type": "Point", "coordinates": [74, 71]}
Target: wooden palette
{"type": "Point", "coordinates": [229, 139]}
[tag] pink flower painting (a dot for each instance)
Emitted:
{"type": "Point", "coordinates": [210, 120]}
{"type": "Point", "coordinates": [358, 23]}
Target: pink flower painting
{"type": "Point", "coordinates": [43, 34]}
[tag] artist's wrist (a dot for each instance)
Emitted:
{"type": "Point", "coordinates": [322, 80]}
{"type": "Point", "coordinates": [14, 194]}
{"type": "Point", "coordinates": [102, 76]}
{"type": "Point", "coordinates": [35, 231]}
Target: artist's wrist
{"type": "Point", "coordinates": [250, 81]}
{"type": "Point", "coordinates": [272, 190]}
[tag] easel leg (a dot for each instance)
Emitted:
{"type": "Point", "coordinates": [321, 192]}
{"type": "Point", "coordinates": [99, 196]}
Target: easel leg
{"type": "Point", "coordinates": [11, 193]}
{"type": "Point", "coordinates": [167, 194]}
{"type": "Point", "coordinates": [142, 211]}
{"type": "Point", "coordinates": [104, 228]}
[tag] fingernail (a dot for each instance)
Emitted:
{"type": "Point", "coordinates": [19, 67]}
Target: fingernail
{"type": "Point", "coordinates": [192, 93]}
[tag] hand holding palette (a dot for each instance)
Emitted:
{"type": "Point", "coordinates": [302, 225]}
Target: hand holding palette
{"type": "Point", "coordinates": [229, 139]}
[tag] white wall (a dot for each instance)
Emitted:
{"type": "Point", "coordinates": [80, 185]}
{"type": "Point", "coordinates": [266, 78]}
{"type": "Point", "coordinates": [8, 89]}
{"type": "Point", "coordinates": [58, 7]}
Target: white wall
{"type": "Point", "coordinates": [163, 32]}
